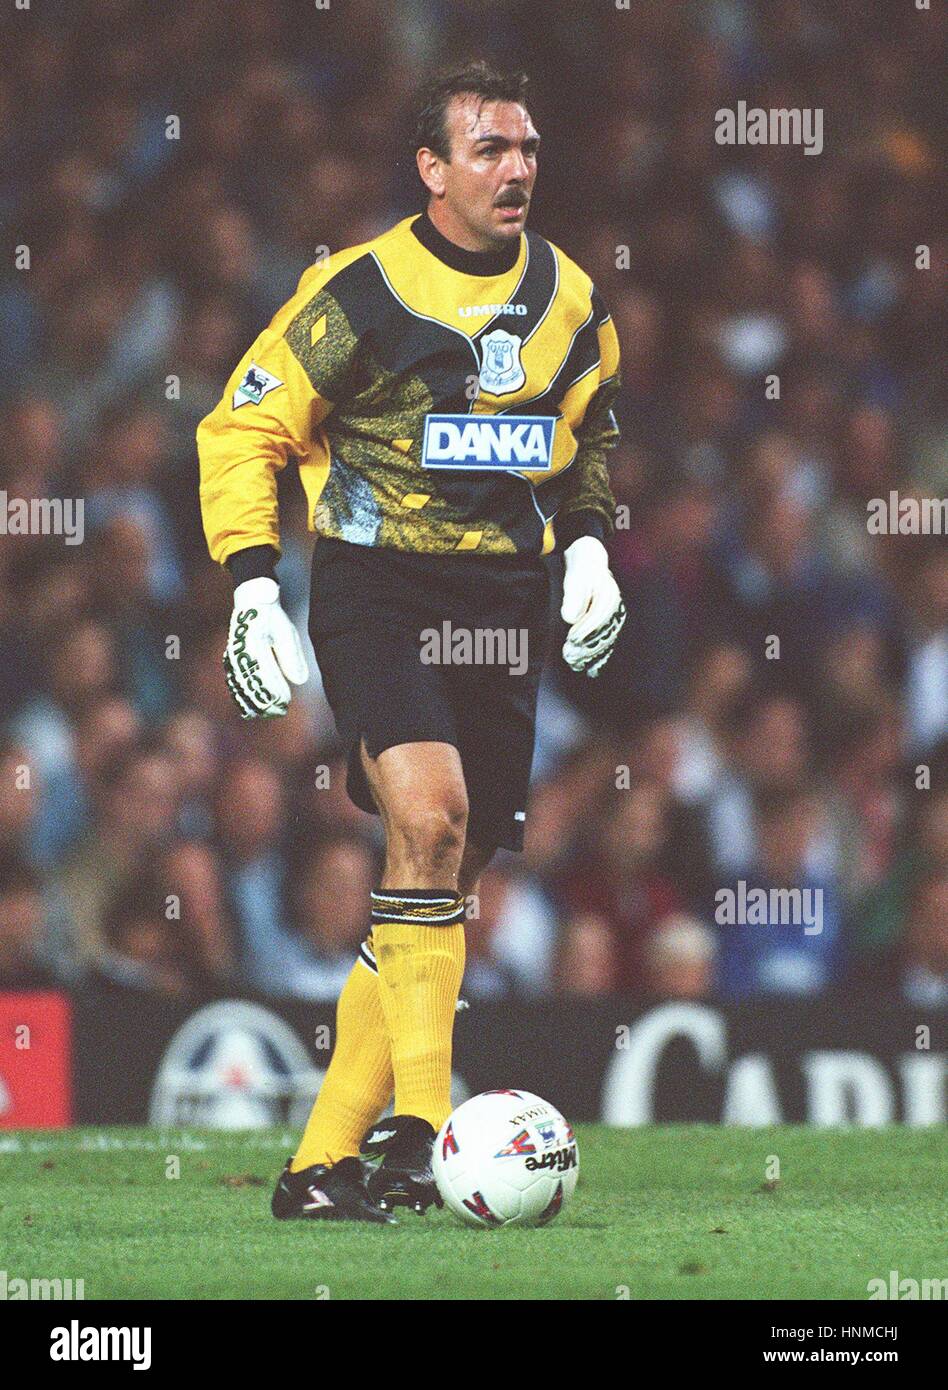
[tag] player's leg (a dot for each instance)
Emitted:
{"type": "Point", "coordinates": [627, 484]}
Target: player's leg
{"type": "Point", "coordinates": [405, 1143]}
{"type": "Point", "coordinates": [357, 1087]}
{"type": "Point", "coordinates": [420, 792]}
{"type": "Point", "coordinates": [324, 1178]}
{"type": "Point", "coordinates": [418, 916]}
{"type": "Point", "coordinates": [418, 931]}
{"type": "Point", "coordinates": [359, 1083]}
{"type": "Point", "coordinates": [409, 705]}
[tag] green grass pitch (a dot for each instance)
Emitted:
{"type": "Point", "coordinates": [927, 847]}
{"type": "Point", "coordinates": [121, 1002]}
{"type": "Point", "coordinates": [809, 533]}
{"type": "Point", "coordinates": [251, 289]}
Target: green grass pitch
{"type": "Point", "coordinates": [675, 1212]}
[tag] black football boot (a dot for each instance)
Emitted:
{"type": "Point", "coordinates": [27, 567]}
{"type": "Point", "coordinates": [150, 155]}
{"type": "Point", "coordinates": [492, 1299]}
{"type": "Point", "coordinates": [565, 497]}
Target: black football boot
{"type": "Point", "coordinates": [326, 1192]}
{"type": "Point", "coordinates": [404, 1177]}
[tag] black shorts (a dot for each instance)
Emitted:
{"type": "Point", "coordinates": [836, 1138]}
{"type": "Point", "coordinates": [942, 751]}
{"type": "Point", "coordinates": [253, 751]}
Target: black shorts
{"type": "Point", "coordinates": [377, 619]}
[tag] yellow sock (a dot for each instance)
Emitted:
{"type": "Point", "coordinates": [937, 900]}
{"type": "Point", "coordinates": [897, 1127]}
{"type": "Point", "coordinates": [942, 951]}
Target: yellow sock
{"type": "Point", "coordinates": [420, 970]}
{"type": "Point", "coordinates": [358, 1084]}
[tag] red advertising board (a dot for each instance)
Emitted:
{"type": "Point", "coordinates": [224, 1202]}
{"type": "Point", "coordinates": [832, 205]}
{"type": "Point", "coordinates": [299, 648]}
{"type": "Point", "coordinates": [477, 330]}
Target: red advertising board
{"type": "Point", "coordinates": [35, 1061]}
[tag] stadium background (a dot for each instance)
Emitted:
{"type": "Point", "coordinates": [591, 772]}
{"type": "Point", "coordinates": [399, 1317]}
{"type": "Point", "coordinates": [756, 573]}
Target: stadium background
{"type": "Point", "coordinates": [165, 853]}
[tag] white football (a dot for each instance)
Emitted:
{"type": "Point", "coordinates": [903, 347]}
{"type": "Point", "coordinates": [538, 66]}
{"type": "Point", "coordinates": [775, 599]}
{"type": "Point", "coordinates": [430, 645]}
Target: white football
{"type": "Point", "coordinates": [506, 1158]}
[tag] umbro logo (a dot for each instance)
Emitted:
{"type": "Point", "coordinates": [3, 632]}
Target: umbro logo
{"type": "Point", "coordinates": [474, 311]}
{"type": "Point", "coordinates": [378, 1136]}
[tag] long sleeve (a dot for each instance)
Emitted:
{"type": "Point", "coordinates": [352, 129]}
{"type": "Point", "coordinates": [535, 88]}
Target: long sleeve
{"type": "Point", "coordinates": [589, 492]}
{"type": "Point", "coordinates": [271, 411]}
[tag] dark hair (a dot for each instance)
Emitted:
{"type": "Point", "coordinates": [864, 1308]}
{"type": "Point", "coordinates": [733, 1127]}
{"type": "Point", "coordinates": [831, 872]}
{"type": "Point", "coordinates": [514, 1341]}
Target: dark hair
{"type": "Point", "coordinates": [477, 78]}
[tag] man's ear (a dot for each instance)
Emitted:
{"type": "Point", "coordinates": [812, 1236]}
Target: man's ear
{"type": "Point", "coordinates": [431, 171]}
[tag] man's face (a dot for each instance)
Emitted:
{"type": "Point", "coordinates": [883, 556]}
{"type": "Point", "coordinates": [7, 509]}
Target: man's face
{"type": "Point", "coordinates": [485, 190]}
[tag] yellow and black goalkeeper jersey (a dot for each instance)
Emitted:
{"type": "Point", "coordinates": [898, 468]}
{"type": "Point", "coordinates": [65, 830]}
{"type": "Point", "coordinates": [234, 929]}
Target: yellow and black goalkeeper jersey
{"type": "Point", "coordinates": [436, 399]}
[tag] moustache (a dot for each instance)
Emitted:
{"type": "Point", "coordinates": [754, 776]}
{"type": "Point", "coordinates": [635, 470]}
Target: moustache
{"type": "Point", "coordinates": [512, 200]}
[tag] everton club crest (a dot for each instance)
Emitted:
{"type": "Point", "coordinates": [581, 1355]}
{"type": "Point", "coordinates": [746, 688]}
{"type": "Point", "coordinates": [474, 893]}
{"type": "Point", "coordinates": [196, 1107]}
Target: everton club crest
{"type": "Point", "coordinates": [501, 371]}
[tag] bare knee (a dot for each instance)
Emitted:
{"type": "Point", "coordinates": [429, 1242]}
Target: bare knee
{"type": "Point", "coordinates": [420, 792]}
{"type": "Point", "coordinates": [427, 841]}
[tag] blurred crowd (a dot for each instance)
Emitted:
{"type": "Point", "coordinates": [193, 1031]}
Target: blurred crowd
{"type": "Point", "coordinates": [171, 170]}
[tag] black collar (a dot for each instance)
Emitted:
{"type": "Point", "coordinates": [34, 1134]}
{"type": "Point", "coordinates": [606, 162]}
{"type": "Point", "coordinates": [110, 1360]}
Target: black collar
{"type": "Point", "coordinates": [468, 262]}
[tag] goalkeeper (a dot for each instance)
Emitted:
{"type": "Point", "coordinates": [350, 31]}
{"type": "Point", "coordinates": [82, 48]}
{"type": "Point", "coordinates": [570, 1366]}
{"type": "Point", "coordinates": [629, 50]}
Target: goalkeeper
{"type": "Point", "coordinates": [447, 391]}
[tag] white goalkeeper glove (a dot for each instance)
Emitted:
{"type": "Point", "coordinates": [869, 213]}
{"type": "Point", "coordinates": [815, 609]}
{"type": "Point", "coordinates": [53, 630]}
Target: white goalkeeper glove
{"type": "Point", "coordinates": [592, 605]}
{"type": "Point", "coordinates": [263, 651]}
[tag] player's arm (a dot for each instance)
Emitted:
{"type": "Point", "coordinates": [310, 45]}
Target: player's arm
{"type": "Point", "coordinates": [268, 414]}
{"type": "Point", "coordinates": [592, 603]}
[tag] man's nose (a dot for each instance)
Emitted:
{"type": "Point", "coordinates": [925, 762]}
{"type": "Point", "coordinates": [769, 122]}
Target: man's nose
{"type": "Point", "coordinates": [516, 167]}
